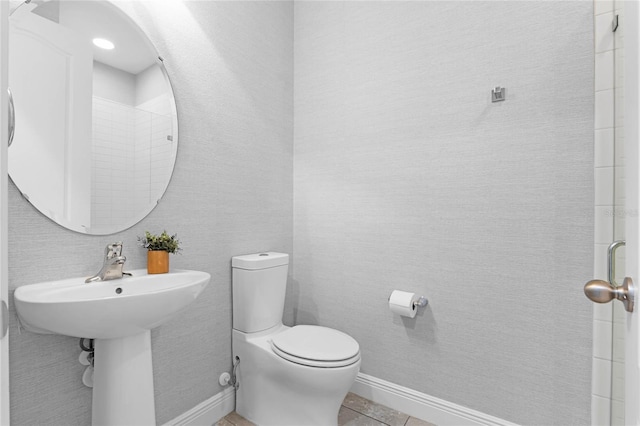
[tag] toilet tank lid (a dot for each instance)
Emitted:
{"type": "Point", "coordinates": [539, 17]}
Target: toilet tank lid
{"type": "Point", "coordinates": [260, 260]}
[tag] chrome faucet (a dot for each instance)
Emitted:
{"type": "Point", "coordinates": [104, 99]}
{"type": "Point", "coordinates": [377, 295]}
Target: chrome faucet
{"type": "Point", "coordinates": [113, 263]}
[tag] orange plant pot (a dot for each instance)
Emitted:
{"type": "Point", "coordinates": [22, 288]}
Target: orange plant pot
{"type": "Point", "coordinates": [157, 262]}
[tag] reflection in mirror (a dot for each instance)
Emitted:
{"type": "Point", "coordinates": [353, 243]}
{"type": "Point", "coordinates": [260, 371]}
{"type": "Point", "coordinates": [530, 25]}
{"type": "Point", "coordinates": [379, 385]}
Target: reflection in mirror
{"type": "Point", "coordinates": [96, 127]}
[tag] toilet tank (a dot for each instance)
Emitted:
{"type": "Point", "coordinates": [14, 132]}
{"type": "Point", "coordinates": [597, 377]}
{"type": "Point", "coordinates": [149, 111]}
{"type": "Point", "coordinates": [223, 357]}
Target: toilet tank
{"type": "Point", "coordinates": [259, 287]}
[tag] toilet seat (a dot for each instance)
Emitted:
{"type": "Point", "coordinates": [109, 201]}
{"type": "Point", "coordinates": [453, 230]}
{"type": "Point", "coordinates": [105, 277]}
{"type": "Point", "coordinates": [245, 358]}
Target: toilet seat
{"type": "Point", "coordinates": [316, 346]}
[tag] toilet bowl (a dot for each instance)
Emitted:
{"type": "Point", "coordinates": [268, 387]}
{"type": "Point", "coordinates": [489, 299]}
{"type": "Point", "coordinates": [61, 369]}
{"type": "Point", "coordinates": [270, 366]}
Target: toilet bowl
{"type": "Point", "coordinates": [287, 376]}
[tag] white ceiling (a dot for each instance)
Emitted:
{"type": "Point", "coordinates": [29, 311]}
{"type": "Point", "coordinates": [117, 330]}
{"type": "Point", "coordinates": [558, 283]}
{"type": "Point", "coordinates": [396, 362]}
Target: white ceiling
{"type": "Point", "coordinates": [133, 52]}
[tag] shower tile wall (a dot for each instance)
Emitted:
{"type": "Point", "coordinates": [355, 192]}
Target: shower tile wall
{"type": "Point", "coordinates": [608, 328]}
{"type": "Point", "coordinates": [113, 159]}
{"type": "Point", "coordinates": [130, 144]}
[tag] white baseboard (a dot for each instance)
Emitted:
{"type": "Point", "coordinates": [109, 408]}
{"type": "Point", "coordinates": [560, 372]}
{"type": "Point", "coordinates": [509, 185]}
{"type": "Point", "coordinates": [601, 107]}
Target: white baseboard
{"type": "Point", "coordinates": [409, 401]}
{"type": "Point", "coordinates": [421, 405]}
{"type": "Point", "coordinates": [208, 412]}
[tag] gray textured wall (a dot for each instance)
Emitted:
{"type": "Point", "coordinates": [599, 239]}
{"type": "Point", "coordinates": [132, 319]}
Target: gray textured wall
{"type": "Point", "coordinates": [407, 177]}
{"type": "Point", "coordinates": [231, 193]}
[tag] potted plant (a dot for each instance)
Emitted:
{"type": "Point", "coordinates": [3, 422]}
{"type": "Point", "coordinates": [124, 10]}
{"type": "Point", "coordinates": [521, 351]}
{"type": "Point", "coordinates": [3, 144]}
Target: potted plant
{"type": "Point", "coordinates": [158, 249]}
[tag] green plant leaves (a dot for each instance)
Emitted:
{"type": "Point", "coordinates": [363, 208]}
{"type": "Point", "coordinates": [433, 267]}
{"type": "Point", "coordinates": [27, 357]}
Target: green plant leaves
{"type": "Point", "coordinates": [164, 241]}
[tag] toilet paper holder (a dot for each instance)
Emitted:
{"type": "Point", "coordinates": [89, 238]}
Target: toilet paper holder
{"type": "Point", "coordinates": [421, 303]}
{"type": "Point", "coordinates": [405, 303]}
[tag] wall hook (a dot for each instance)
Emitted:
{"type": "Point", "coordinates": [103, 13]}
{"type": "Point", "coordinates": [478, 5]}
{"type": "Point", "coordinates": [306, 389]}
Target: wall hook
{"type": "Point", "coordinates": [498, 94]}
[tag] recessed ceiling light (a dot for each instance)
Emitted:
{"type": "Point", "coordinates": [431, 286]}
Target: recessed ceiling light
{"type": "Point", "coordinates": [103, 43]}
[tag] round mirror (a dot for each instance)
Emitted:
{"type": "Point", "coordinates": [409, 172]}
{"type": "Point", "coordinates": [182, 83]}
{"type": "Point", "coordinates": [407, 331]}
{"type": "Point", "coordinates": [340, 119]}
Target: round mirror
{"type": "Point", "coordinates": [96, 131]}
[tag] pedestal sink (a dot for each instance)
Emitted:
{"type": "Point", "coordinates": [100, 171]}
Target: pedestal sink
{"type": "Point", "coordinates": [119, 315]}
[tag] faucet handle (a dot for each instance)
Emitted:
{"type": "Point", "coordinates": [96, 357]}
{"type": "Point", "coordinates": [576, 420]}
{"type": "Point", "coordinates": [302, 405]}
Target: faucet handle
{"type": "Point", "coordinates": [113, 250]}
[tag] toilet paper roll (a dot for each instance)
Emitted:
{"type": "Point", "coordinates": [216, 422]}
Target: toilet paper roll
{"type": "Point", "coordinates": [402, 303]}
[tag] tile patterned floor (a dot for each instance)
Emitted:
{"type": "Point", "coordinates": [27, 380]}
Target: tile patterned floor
{"type": "Point", "coordinates": [355, 411]}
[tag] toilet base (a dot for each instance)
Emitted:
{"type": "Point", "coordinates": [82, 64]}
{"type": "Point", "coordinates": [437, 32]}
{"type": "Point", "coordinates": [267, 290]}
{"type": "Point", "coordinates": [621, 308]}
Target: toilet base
{"type": "Point", "coordinates": [277, 392]}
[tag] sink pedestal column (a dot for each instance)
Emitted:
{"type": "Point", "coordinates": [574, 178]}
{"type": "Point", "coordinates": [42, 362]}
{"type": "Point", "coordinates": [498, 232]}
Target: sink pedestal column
{"type": "Point", "coordinates": [123, 382]}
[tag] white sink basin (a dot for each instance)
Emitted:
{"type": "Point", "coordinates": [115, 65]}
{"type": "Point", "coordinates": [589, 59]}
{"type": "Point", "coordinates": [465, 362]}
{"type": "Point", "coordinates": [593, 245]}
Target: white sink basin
{"type": "Point", "coordinates": [119, 315]}
{"type": "Point", "coordinates": [107, 309]}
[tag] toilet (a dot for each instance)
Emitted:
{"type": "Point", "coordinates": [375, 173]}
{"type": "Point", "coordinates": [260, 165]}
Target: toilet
{"type": "Point", "coordinates": [287, 376]}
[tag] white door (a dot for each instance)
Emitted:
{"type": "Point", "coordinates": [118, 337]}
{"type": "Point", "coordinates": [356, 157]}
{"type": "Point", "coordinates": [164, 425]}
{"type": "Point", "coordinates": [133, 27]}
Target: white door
{"type": "Point", "coordinates": [4, 337]}
{"type": "Point", "coordinates": [53, 115]}
{"type": "Point", "coordinates": [632, 153]}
